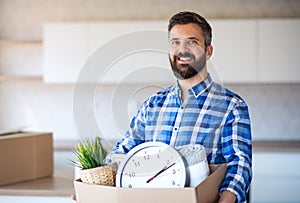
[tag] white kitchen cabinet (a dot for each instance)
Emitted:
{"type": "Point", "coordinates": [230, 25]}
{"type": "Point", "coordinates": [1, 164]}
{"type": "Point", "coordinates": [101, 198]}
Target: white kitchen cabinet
{"type": "Point", "coordinates": [235, 50]}
{"type": "Point", "coordinates": [65, 51]}
{"type": "Point", "coordinates": [276, 177]}
{"type": "Point", "coordinates": [100, 33]}
{"type": "Point", "coordinates": [245, 51]}
{"type": "Point", "coordinates": [133, 60]}
{"type": "Point", "coordinates": [279, 48]}
{"type": "Point", "coordinates": [80, 51]}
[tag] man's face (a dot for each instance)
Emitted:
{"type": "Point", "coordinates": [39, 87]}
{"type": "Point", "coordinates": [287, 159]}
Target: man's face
{"type": "Point", "coordinates": [187, 53]}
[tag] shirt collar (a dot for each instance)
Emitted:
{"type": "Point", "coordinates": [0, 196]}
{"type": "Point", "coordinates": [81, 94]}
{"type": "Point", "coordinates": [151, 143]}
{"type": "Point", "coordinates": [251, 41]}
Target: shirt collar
{"type": "Point", "coordinates": [196, 90]}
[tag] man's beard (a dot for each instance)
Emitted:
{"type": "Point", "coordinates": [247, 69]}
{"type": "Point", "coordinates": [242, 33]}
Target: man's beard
{"type": "Point", "coordinates": [185, 71]}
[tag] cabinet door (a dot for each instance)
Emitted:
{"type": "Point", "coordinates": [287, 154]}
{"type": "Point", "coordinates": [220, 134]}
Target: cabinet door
{"type": "Point", "coordinates": [76, 50]}
{"type": "Point", "coordinates": [279, 48]}
{"type": "Point", "coordinates": [235, 50]}
{"type": "Point", "coordinates": [132, 57]}
{"type": "Point", "coordinates": [276, 177]}
{"type": "Point", "coordinates": [100, 33]}
{"type": "Point", "coordinates": [65, 51]}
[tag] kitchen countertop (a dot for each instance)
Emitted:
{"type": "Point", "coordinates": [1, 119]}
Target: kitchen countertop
{"type": "Point", "coordinates": [60, 185]}
{"type": "Point", "coordinates": [276, 146]}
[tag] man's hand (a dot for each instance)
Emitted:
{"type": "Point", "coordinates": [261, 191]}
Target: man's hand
{"type": "Point", "coordinates": [227, 197]}
{"type": "Point", "coordinates": [73, 197]}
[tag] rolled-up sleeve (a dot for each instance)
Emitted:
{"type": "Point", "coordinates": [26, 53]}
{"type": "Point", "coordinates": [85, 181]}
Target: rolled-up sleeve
{"type": "Point", "coordinates": [237, 151]}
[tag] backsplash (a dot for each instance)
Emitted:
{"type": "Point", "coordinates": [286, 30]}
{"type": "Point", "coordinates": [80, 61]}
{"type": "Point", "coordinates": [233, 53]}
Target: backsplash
{"type": "Point", "coordinates": [274, 109]}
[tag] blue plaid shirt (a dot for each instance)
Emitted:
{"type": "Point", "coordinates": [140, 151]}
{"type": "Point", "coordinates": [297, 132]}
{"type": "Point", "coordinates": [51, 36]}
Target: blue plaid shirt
{"type": "Point", "coordinates": [211, 116]}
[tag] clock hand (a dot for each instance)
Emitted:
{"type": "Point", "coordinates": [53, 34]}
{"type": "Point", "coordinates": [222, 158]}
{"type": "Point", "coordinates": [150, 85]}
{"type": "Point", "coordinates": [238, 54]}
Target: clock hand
{"type": "Point", "coordinates": [159, 172]}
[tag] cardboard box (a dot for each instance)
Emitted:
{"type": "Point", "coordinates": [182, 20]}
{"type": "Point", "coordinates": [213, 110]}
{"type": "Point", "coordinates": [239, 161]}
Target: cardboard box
{"type": "Point", "coordinates": [25, 156]}
{"type": "Point", "coordinates": [205, 192]}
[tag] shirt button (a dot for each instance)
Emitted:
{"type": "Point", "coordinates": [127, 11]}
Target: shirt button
{"type": "Point", "coordinates": [175, 129]}
{"type": "Point", "coordinates": [182, 107]}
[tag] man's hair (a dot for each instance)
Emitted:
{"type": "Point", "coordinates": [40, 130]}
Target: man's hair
{"type": "Point", "coordinates": [186, 17]}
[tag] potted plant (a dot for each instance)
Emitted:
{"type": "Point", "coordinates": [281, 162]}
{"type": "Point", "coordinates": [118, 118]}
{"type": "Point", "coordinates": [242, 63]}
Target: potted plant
{"type": "Point", "coordinates": [90, 155]}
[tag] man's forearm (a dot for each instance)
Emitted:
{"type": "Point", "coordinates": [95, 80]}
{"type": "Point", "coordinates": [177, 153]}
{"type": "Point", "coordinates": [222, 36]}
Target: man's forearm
{"type": "Point", "coordinates": [227, 197]}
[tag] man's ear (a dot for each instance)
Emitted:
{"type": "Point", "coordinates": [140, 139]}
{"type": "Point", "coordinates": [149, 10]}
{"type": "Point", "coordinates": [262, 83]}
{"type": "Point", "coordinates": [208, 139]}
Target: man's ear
{"type": "Point", "coordinates": [209, 51]}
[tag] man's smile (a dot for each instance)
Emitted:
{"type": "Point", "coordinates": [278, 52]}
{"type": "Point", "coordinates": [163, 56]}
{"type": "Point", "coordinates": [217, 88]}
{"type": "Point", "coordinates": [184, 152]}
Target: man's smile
{"type": "Point", "coordinates": [184, 60]}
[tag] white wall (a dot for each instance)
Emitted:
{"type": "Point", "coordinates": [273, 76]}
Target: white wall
{"type": "Point", "coordinates": [274, 109]}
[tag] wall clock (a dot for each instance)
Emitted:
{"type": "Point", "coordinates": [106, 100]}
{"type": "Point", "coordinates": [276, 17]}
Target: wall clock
{"type": "Point", "coordinates": [152, 165]}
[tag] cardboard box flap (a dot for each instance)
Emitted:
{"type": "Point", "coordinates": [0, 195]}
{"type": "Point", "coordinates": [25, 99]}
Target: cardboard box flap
{"type": "Point", "coordinates": [211, 185]}
{"type": "Point", "coordinates": [19, 134]}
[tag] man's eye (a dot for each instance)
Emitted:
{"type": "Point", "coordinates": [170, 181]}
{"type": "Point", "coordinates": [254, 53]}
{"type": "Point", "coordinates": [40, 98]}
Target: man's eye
{"type": "Point", "coordinates": [193, 42]}
{"type": "Point", "coordinates": [175, 43]}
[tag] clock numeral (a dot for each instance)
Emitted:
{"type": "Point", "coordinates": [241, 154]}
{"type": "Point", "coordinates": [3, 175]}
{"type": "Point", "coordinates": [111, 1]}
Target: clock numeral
{"type": "Point", "coordinates": [131, 175]}
{"type": "Point", "coordinates": [129, 186]}
{"type": "Point", "coordinates": [136, 164]}
{"type": "Point", "coordinates": [147, 157]}
{"type": "Point", "coordinates": [173, 171]}
{"type": "Point", "coordinates": [173, 182]}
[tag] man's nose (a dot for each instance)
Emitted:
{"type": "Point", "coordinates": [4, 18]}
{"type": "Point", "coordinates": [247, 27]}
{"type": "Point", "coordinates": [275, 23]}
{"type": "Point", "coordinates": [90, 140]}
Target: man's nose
{"type": "Point", "coordinates": [183, 47]}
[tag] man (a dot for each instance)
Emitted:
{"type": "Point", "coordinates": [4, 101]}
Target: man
{"type": "Point", "coordinates": [196, 110]}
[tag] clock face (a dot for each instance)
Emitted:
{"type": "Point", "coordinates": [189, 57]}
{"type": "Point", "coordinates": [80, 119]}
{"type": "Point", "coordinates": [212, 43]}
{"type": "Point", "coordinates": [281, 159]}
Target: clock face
{"type": "Point", "coordinates": [152, 165]}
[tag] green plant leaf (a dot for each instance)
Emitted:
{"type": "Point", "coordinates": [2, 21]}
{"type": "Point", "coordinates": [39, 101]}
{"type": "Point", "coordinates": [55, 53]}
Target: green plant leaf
{"type": "Point", "coordinates": [89, 153]}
